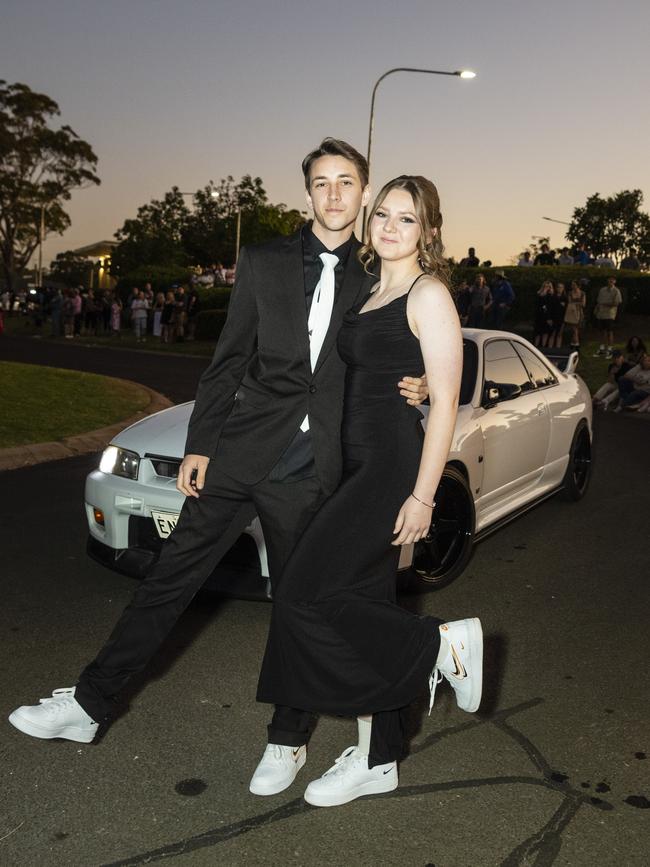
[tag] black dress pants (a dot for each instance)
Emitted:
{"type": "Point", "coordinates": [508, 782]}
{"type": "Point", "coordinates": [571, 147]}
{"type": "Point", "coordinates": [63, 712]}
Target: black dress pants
{"type": "Point", "coordinates": [206, 529]}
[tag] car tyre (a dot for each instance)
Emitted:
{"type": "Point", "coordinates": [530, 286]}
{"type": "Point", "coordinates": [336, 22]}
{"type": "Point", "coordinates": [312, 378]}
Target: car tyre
{"type": "Point", "coordinates": [578, 471]}
{"type": "Point", "coordinates": [443, 555]}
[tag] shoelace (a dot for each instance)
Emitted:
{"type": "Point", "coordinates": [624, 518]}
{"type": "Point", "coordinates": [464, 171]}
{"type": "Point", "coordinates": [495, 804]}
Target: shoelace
{"type": "Point", "coordinates": [60, 700]}
{"type": "Point", "coordinates": [278, 752]}
{"type": "Point", "coordinates": [348, 757]}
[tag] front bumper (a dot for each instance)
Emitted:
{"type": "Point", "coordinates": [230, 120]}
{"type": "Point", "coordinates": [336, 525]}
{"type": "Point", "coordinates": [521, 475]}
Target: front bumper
{"type": "Point", "coordinates": [127, 542]}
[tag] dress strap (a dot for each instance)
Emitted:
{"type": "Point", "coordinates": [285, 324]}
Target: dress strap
{"type": "Point", "coordinates": [414, 282]}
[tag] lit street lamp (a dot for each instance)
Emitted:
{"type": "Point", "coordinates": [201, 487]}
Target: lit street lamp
{"type": "Point", "coordinates": [459, 73]}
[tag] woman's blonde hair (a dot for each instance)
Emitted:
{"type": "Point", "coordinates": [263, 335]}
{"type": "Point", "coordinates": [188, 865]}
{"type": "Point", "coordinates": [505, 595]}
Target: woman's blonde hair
{"type": "Point", "coordinates": [426, 204]}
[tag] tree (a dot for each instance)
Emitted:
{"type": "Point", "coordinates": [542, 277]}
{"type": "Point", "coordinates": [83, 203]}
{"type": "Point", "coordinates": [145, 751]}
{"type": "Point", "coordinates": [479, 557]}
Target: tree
{"type": "Point", "coordinates": [612, 225]}
{"type": "Point", "coordinates": [70, 269]}
{"type": "Point", "coordinates": [154, 237]}
{"type": "Point", "coordinates": [39, 168]}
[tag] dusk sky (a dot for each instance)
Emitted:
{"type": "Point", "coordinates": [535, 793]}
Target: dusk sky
{"type": "Point", "coordinates": [181, 92]}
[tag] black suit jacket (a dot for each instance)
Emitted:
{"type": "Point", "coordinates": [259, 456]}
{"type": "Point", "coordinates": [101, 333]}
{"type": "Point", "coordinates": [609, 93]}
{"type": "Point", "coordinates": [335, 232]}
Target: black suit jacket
{"type": "Point", "coordinates": [259, 386]}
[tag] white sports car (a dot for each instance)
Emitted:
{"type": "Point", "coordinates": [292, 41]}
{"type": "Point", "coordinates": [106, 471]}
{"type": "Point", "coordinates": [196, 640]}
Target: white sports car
{"type": "Point", "coordinates": [523, 433]}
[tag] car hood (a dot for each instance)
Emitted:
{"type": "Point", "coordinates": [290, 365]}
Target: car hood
{"type": "Point", "coordinates": [162, 433]}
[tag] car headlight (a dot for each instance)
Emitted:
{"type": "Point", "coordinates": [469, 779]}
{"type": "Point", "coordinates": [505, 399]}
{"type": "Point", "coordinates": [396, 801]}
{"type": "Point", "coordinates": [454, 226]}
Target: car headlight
{"type": "Point", "coordinates": [120, 462]}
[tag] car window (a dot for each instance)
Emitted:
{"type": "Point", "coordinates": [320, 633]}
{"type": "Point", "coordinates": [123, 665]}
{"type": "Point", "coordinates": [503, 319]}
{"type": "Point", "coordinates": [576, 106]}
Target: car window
{"type": "Point", "coordinates": [538, 371]}
{"type": "Point", "coordinates": [470, 366]}
{"type": "Point", "coordinates": [503, 365]}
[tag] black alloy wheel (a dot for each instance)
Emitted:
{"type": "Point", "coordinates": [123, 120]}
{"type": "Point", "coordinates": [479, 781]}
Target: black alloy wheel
{"type": "Point", "coordinates": [578, 471]}
{"type": "Point", "coordinates": [445, 552]}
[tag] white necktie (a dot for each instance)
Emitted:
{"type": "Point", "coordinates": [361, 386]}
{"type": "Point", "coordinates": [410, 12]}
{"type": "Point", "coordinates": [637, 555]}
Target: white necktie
{"type": "Point", "coordinates": [320, 313]}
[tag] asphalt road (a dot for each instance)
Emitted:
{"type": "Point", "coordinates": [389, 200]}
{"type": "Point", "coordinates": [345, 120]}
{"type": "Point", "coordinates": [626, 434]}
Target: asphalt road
{"type": "Point", "coordinates": [552, 771]}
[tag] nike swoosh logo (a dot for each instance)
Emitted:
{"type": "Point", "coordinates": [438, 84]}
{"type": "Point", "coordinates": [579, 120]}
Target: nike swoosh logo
{"type": "Point", "coordinates": [460, 668]}
{"type": "Point", "coordinates": [387, 772]}
{"type": "Point", "coordinates": [295, 754]}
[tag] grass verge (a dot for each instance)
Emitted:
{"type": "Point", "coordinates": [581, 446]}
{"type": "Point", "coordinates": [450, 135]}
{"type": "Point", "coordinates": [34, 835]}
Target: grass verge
{"type": "Point", "coordinates": [44, 404]}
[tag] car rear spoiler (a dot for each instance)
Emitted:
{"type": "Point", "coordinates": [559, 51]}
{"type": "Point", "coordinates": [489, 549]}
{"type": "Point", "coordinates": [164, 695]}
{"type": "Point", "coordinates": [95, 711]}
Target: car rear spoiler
{"type": "Point", "coordinates": [564, 359]}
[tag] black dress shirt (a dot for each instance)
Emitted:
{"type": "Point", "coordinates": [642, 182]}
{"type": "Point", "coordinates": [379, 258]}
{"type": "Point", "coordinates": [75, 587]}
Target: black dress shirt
{"type": "Point", "coordinates": [297, 461]}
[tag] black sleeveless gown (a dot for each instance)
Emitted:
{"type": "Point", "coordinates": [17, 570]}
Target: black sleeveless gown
{"type": "Point", "coordinates": [338, 642]}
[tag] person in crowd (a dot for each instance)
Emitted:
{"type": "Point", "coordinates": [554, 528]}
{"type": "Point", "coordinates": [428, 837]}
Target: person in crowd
{"type": "Point", "coordinates": [631, 261]}
{"type": "Point", "coordinates": [582, 256]}
{"type": "Point", "coordinates": [353, 650]}
{"type": "Point", "coordinates": [471, 260]}
{"type": "Point", "coordinates": [77, 309]}
{"type": "Point", "coordinates": [180, 315]}
{"type": "Point", "coordinates": [68, 313]}
{"type": "Point", "coordinates": [139, 311]}
{"type": "Point", "coordinates": [608, 391]}
{"type": "Point", "coordinates": [105, 316]}
{"type": "Point", "coordinates": [545, 256]}
{"type": "Point", "coordinates": [463, 298]}
{"type": "Point", "coordinates": [167, 318]}
{"type": "Point", "coordinates": [91, 313]}
{"type": "Point", "coordinates": [543, 323]}
{"type": "Point", "coordinates": [525, 260]}
{"type": "Point", "coordinates": [565, 257]}
{"type": "Point", "coordinates": [503, 297]}
{"type": "Point", "coordinates": [634, 349]}
{"type": "Point", "coordinates": [479, 302]}
{"type": "Point", "coordinates": [116, 315]}
{"type": "Point", "coordinates": [56, 313]}
{"type": "Point", "coordinates": [606, 311]}
{"type": "Point", "coordinates": [149, 295]}
{"type": "Point", "coordinates": [158, 306]}
{"type": "Point", "coordinates": [558, 303]}
{"type": "Point", "coordinates": [634, 386]}
{"type": "Point", "coordinates": [280, 458]}
{"type": "Point", "coordinates": [192, 307]}
{"type": "Point", "coordinates": [604, 260]}
{"type": "Point", "coordinates": [574, 316]}
{"type": "Point", "coordinates": [220, 273]}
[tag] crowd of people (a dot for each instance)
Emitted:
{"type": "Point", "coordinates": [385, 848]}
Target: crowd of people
{"type": "Point", "coordinates": [80, 312]}
{"type": "Point", "coordinates": [483, 306]}
{"type": "Point", "coordinates": [579, 255]}
{"type": "Point", "coordinates": [628, 379]}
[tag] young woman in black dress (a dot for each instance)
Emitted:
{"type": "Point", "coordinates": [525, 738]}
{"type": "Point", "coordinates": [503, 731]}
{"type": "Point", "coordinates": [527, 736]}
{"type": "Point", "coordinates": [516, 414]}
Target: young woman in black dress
{"type": "Point", "coordinates": [338, 642]}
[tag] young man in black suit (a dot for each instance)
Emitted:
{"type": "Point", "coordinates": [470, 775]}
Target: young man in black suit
{"type": "Point", "coordinates": [264, 437]}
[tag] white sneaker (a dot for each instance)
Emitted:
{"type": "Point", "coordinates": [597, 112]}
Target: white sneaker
{"type": "Point", "coordinates": [277, 769]}
{"type": "Point", "coordinates": [350, 778]}
{"type": "Point", "coordinates": [463, 665]}
{"type": "Point", "coordinates": [60, 716]}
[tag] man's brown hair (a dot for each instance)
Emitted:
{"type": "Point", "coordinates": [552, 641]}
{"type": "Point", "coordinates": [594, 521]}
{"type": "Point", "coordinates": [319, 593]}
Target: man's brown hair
{"type": "Point", "coordinates": [334, 147]}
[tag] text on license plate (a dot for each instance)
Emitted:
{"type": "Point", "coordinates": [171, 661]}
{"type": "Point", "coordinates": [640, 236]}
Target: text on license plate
{"type": "Point", "coordinates": [165, 523]}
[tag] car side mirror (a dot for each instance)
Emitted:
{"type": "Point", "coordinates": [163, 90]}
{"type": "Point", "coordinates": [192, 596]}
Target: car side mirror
{"type": "Point", "coordinates": [508, 391]}
{"type": "Point", "coordinates": [495, 392]}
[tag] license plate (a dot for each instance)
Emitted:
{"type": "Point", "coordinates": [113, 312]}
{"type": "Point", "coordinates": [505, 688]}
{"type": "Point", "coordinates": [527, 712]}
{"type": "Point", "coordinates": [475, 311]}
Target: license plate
{"type": "Point", "coordinates": [165, 523]}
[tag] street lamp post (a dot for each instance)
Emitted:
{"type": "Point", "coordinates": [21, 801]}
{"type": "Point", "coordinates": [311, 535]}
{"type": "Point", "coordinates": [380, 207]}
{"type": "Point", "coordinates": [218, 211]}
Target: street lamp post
{"type": "Point", "coordinates": [41, 233]}
{"type": "Point", "coordinates": [552, 220]}
{"type": "Point", "coordinates": [459, 73]}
